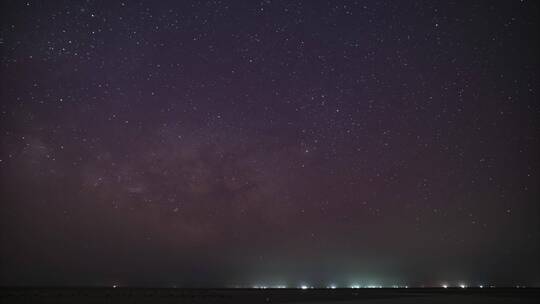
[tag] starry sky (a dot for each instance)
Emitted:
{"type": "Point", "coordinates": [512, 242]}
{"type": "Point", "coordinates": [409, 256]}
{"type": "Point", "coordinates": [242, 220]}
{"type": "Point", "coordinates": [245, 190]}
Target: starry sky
{"type": "Point", "coordinates": [240, 143]}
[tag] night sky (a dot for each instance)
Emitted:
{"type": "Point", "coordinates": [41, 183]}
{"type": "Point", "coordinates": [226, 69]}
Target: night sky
{"type": "Point", "coordinates": [242, 143]}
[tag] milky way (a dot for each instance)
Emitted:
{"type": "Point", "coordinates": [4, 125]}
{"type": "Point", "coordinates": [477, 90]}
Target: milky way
{"type": "Point", "coordinates": [236, 143]}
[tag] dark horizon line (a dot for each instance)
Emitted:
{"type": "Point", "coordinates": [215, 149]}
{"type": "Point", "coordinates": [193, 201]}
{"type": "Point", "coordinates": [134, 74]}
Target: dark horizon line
{"type": "Point", "coordinates": [266, 288]}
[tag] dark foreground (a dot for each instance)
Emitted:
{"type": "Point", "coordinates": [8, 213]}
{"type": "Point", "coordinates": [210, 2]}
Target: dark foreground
{"type": "Point", "coordinates": [320, 296]}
